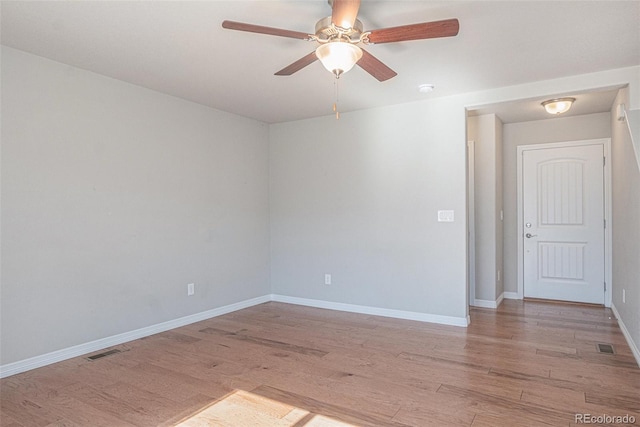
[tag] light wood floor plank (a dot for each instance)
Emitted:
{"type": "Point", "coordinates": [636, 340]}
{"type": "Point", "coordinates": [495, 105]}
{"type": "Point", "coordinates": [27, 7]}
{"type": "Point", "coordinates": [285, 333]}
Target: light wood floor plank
{"type": "Point", "coordinates": [526, 363]}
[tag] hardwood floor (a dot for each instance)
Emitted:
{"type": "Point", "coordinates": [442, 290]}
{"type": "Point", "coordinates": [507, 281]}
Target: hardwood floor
{"type": "Point", "coordinates": [525, 364]}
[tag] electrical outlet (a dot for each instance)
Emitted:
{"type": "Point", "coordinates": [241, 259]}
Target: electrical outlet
{"type": "Point", "coordinates": [191, 289]}
{"type": "Point", "coordinates": [624, 296]}
{"type": "Point", "coordinates": [327, 279]}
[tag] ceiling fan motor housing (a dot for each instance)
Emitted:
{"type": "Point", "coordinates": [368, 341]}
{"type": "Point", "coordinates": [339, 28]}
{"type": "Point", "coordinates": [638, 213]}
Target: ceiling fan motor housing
{"type": "Point", "coordinates": [327, 31]}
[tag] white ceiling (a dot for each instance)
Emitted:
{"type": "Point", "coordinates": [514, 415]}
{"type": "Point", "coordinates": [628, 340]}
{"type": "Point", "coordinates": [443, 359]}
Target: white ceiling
{"type": "Point", "coordinates": [180, 48]}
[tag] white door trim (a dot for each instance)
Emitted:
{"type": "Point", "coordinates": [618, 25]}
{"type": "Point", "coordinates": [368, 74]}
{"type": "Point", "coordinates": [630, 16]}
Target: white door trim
{"type": "Point", "coordinates": [471, 227]}
{"type": "Point", "coordinates": [606, 142]}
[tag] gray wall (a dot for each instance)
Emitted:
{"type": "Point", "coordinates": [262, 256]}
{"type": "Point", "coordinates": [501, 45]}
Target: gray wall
{"type": "Point", "coordinates": [114, 198]}
{"type": "Point", "coordinates": [358, 198]}
{"type": "Point", "coordinates": [626, 223]}
{"type": "Point", "coordinates": [486, 132]}
{"type": "Point", "coordinates": [558, 129]}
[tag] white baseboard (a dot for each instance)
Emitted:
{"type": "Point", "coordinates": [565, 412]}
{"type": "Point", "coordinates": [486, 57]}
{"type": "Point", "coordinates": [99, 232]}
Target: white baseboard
{"type": "Point", "coordinates": [375, 311]}
{"type": "Point", "coordinates": [632, 345]}
{"type": "Point", "coordinates": [483, 303]}
{"type": "Point", "coordinates": [79, 350]}
{"type": "Point", "coordinates": [89, 347]}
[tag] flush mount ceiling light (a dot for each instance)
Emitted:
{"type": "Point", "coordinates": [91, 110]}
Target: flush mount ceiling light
{"type": "Point", "coordinates": [338, 56]}
{"type": "Point", "coordinates": [558, 105]}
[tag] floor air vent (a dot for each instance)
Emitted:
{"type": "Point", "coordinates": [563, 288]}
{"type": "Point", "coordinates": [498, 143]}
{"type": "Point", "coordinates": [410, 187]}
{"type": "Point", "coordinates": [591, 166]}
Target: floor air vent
{"type": "Point", "coordinates": [103, 354]}
{"type": "Point", "coordinates": [605, 348]}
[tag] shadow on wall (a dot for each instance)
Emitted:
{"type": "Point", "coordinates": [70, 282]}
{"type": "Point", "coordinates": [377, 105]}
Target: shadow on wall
{"type": "Point", "coordinates": [633, 121]}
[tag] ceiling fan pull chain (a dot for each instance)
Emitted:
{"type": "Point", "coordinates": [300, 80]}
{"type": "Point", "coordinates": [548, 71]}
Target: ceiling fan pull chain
{"type": "Point", "coordinates": [335, 104]}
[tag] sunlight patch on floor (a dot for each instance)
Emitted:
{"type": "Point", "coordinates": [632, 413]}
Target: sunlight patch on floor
{"type": "Point", "coordinates": [243, 408]}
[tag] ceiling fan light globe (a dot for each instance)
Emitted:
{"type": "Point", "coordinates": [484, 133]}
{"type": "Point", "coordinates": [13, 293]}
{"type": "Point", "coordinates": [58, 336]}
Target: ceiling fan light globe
{"type": "Point", "coordinates": [338, 57]}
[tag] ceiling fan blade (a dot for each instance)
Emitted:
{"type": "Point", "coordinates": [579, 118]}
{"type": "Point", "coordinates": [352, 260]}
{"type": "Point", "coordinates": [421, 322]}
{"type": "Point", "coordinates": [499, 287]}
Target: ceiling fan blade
{"type": "Point", "coordinates": [424, 30]}
{"type": "Point", "coordinates": [375, 67]}
{"type": "Point", "coordinates": [298, 65]}
{"type": "Point", "coordinates": [344, 13]}
{"type": "Point", "coordinates": [240, 26]}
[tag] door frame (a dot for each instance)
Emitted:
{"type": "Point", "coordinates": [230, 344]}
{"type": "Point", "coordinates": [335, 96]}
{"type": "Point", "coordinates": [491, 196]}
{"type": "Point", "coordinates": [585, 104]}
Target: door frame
{"type": "Point", "coordinates": [471, 223]}
{"type": "Point", "coordinates": [606, 143]}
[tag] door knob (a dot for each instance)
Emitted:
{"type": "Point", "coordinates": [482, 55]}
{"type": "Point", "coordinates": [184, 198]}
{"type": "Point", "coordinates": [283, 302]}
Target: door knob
{"type": "Point", "coordinates": [529, 235]}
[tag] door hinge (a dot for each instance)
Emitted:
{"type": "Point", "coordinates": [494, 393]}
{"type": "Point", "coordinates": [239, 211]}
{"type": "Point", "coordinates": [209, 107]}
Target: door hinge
{"type": "Point", "coordinates": [604, 161]}
{"type": "Point", "coordinates": [605, 223]}
{"type": "Point", "coordinates": [605, 286]}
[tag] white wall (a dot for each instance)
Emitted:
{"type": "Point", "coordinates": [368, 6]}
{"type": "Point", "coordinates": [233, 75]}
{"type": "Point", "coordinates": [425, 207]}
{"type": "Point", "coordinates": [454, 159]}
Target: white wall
{"type": "Point", "coordinates": [115, 197]}
{"type": "Point", "coordinates": [559, 129]}
{"type": "Point", "coordinates": [486, 131]}
{"type": "Point", "coordinates": [358, 198]}
{"type": "Point", "coordinates": [626, 225]}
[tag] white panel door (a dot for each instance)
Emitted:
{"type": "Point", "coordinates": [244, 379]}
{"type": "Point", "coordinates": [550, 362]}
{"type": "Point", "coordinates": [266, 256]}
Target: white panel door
{"type": "Point", "coordinates": [563, 233]}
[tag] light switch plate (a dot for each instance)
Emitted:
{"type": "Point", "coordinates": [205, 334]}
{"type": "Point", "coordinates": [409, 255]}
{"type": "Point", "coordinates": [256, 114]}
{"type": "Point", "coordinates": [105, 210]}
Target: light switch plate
{"type": "Point", "coordinates": [445, 216]}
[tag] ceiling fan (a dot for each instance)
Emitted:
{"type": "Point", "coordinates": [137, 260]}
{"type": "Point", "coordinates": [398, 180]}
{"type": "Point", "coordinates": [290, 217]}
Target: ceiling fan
{"type": "Point", "coordinates": [340, 34]}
